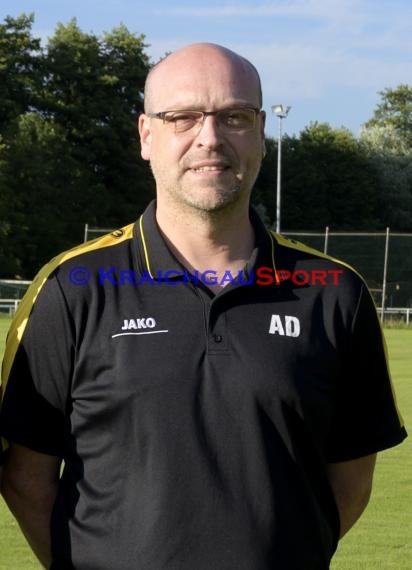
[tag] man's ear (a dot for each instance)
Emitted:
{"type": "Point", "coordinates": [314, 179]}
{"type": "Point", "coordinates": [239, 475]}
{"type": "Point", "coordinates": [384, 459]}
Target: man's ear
{"type": "Point", "coordinates": [145, 136]}
{"type": "Point", "coordinates": [264, 152]}
{"type": "Point", "coordinates": [262, 128]}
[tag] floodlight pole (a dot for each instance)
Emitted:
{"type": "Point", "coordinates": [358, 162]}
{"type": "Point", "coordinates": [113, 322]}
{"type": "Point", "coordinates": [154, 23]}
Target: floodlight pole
{"type": "Point", "coordinates": [281, 111]}
{"type": "Point", "coordinates": [385, 271]}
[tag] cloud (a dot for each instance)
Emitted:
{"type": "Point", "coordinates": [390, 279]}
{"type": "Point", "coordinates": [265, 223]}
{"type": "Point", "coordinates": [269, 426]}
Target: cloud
{"type": "Point", "coordinates": [354, 16]}
{"type": "Point", "coordinates": [332, 24]}
{"type": "Point", "coordinates": [306, 71]}
{"type": "Point", "coordinates": [309, 9]}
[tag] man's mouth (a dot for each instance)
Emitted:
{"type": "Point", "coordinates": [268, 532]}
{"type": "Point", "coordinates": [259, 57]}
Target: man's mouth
{"type": "Point", "coordinates": [209, 168]}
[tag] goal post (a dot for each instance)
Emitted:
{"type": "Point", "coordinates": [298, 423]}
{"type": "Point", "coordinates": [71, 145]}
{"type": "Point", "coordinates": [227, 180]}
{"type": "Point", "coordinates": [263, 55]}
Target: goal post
{"type": "Point", "coordinates": [91, 232]}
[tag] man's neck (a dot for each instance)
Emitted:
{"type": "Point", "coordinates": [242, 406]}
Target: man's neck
{"type": "Point", "coordinates": [216, 241]}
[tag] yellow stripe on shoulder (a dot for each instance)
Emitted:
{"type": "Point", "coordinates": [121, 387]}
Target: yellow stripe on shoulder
{"type": "Point", "coordinates": [21, 317]}
{"type": "Point", "coordinates": [293, 244]}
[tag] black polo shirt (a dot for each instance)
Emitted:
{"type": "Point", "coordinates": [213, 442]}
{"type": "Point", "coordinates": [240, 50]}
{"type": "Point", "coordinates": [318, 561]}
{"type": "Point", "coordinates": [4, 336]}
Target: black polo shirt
{"type": "Point", "coordinates": [196, 428]}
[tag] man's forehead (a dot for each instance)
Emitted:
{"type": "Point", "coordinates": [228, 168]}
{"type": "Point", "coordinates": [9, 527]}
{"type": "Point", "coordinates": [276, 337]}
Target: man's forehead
{"type": "Point", "coordinates": [201, 67]}
{"type": "Point", "coordinates": [200, 52]}
{"type": "Point", "coordinates": [182, 66]}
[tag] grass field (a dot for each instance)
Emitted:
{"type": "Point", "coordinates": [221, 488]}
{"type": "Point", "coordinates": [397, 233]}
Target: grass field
{"type": "Point", "coordinates": [381, 540]}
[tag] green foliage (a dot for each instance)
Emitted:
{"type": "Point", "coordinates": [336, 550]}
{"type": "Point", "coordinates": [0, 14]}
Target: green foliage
{"type": "Point", "coordinates": [48, 192]}
{"type": "Point", "coordinates": [395, 110]}
{"type": "Point", "coordinates": [20, 68]}
{"type": "Point", "coordinates": [326, 181]}
{"type": "Point", "coordinates": [70, 152]}
{"type": "Point", "coordinates": [387, 141]}
{"type": "Point", "coordinates": [391, 156]}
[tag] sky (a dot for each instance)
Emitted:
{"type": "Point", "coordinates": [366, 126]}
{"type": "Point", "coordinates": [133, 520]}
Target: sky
{"type": "Point", "coordinates": [327, 59]}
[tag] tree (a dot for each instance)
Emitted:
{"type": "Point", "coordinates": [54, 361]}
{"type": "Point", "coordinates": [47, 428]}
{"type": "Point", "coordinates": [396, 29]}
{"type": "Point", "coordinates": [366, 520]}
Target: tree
{"type": "Point", "coordinates": [391, 157]}
{"type": "Point", "coordinates": [20, 80]}
{"type": "Point", "coordinates": [4, 224]}
{"type": "Point", "coordinates": [70, 154]}
{"type": "Point", "coordinates": [95, 92]}
{"type": "Point", "coordinates": [326, 181]}
{"type": "Point", "coordinates": [38, 195]}
{"type": "Point", "coordinates": [125, 173]}
{"type": "Point", "coordinates": [20, 68]}
{"type": "Point", "coordinates": [387, 140]}
{"type": "Point", "coordinates": [395, 110]}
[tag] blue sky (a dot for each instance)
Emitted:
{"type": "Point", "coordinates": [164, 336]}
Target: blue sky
{"type": "Point", "coordinates": [325, 58]}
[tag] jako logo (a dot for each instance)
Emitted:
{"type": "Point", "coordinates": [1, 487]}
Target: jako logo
{"type": "Point", "coordinates": [134, 324]}
{"type": "Point", "coordinates": [289, 327]}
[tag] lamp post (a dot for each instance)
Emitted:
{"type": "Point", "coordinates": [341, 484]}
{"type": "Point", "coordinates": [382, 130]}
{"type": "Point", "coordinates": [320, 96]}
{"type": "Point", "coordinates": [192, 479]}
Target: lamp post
{"type": "Point", "coordinates": [281, 111]}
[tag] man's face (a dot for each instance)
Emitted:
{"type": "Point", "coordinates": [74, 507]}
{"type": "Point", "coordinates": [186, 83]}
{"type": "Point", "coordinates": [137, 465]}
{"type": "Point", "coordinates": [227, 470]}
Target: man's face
{"type": "Point", "coordinates": [211, 167]}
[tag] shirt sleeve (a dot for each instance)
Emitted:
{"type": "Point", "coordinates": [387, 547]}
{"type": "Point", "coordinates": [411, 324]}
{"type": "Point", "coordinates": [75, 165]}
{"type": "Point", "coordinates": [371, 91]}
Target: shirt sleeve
{"type": "Point", "coordinates": [366, 418]}
{"type": "Point", "coordinates": [36, 372]}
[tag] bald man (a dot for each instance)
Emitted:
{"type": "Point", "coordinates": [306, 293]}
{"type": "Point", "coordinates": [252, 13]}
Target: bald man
{"type": "Point", "coordinates": [207, 420]}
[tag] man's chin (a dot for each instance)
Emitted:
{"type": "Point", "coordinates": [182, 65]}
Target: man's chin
{"type": "Point", "coordinates": [214, 202]}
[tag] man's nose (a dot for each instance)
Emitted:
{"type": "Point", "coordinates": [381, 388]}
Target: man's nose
{"type": "Point", "coordinates": [209, 134]}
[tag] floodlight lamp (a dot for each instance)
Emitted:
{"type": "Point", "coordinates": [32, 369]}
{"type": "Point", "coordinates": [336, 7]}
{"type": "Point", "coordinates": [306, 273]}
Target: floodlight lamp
{"type": "Point", "coordinates": [281, 110]}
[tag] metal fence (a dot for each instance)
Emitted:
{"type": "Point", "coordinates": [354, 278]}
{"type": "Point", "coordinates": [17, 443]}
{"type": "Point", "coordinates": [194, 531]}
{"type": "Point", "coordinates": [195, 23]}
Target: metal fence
{"type": "Point", "coordinates": [384, 259]}
{"type": "Point", "coordinates": [11, 292]}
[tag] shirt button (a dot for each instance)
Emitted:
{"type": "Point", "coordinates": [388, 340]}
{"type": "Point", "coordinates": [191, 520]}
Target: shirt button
{"type": "Point", "coordinates": [217, 338]}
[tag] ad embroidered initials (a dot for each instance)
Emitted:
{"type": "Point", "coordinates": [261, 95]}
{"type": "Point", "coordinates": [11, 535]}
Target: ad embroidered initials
{"type": "Point", "coordinates": [289, 327]}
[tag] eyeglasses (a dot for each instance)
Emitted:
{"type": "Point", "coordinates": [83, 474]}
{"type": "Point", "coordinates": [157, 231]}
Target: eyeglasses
{"type": "Point", "coordinates": [229, 120]}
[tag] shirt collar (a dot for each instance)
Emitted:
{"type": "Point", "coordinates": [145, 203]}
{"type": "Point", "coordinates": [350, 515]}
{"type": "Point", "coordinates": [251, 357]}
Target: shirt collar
{"type": "Point", "coordinates": [156, 258]}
